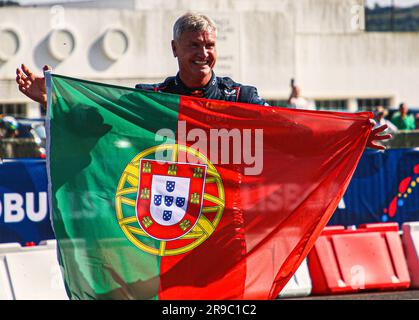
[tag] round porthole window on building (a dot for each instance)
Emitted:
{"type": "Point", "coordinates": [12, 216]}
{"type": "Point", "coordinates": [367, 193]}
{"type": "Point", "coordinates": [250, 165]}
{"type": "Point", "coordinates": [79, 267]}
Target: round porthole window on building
{"type": "Point", "coordinates": [61, 44]}
{"type": "Point", "coordinates": [115, 43]}
{"type": "Point", "coordinates": [10, 43]}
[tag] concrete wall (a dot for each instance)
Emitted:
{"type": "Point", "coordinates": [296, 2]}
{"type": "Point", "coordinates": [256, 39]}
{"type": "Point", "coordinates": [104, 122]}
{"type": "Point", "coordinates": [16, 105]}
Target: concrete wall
{"type": "Point", "coordinates": [265, 43]}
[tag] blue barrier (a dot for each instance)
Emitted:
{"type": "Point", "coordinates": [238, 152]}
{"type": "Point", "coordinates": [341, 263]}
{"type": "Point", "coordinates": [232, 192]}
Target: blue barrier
{"type": "Point", "coordinates": [24, 214]}
{"type": "Point", "coordinates": [384, 188]}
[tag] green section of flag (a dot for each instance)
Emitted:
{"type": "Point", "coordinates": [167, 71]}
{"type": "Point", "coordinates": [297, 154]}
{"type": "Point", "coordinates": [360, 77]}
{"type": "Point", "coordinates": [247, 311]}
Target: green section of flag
{"type": "Point", "coordinates": [95, 131]}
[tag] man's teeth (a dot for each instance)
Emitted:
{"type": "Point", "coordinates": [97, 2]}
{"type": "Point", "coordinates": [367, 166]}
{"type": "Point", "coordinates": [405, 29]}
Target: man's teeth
{"type": "Point", "coordinates": [200, 62]}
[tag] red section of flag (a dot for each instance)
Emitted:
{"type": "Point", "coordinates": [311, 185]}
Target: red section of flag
{"type": "Point", "coordinates": [271, 219]}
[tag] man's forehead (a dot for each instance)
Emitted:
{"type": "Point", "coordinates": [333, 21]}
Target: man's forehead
{"type": "Point", "coordinates": [199, 36]}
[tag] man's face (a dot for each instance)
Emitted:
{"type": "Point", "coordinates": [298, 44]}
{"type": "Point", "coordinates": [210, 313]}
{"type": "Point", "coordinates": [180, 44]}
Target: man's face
{"type": "Point", "coordinates": [196, 54]}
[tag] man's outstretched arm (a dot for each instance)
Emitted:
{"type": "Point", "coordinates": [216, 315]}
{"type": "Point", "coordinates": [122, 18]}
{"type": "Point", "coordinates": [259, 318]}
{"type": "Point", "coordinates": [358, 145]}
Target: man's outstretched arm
{"type": "Point", "coordinates": [31, 85]}
{"type": "Point", "coordinates": [375, 136]}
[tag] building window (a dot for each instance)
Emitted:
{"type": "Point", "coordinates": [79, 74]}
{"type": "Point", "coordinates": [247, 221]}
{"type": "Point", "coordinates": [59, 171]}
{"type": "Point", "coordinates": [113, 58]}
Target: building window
{"type": "Point", "coordinates": [340, 105]}
{"type": "Point", "coordinates": [368, 104]}
{"type": "Point", "coordinates": [13, 109]}
{"type": "Point", "coordinates": [391, 15]}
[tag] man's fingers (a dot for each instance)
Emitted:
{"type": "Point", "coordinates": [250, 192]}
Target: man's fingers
{"type": "Point", "coordinates": [380, 129]}
{"type": "Point", "coordinates": [24, 68]}
{"type": "Point", "coordinates": [20, 79]}
{"type": "Point", "coordinates": [372, 122]}
{"type": "Point", "coordinates": [375, 146]}
{"type": "Point", "coordinates": [20, 75]}
{"type": "Point", "coordinates": [379, 147]}
{"type": "Point", "coordinates": [383, 137]}
{"type": "Point", "coordinates": [29, 74]}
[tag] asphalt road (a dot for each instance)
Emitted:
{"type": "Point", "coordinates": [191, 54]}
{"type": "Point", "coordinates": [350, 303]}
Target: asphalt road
{"type": "Point", "coordinates": [388, 295]}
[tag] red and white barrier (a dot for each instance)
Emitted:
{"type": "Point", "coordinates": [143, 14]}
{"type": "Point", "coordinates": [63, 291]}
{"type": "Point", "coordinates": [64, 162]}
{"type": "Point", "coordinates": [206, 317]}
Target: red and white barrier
{"type": "Point", "coordinates": [368, 258]}
{"type": "Point", "coordinates": [410, 239]}
{"type": "Point", "coordinates": [300, 283]}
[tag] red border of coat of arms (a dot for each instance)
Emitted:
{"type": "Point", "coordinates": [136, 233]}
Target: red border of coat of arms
{"type": "Point", "coordinates": [170, 197]}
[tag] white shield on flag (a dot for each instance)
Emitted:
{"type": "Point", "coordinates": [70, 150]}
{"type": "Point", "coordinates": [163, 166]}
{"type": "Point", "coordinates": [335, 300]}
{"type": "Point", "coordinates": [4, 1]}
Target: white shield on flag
{"type": "Point", "coordinates": [169, 199]}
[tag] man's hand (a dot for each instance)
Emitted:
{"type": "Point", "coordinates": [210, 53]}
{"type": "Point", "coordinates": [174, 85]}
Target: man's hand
{"type": "Point", "coordinates": [31, 85]}
{"type": "Point", "coordinates": [374, 136]}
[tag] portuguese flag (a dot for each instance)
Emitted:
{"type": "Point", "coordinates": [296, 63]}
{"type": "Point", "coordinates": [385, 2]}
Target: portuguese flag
{"type": "Point", "coordinates": [160, 196]}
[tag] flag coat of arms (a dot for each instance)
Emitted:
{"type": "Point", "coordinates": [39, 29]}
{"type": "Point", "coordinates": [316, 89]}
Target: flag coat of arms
{"type": "Point", "coordinates": [160, 196]}
{"type": "Point", "coordinates": [174, 205]}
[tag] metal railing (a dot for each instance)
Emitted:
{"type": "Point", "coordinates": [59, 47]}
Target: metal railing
{"type": "Point", "coordinates": [18, 148]}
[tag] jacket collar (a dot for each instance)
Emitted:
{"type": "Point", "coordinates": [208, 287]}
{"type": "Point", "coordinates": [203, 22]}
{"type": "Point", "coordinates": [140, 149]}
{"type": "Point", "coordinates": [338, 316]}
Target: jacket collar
{"type": "Point", "coordinates": [196, 92]}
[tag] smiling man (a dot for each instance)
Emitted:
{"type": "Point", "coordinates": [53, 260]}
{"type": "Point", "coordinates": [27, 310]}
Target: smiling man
{"type": "Point", "coordinates": [194, 46]}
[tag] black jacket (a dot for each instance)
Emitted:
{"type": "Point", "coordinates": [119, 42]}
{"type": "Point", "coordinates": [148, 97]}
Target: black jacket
{"type": "Point", "coordinates": [217, 89]}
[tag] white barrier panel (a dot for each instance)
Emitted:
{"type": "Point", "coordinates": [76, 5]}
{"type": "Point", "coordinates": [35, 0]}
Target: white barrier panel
{"type": "Point", "coordinates": [410, 239]}
{"type": "Point", "coordinates": [30, 273]}
{"type": "Point", "coordinates": [9, 247]}
{"type": "Point", "coordinates": [6, 292]}
{"type": "Point", "coordinates": [300, 283]}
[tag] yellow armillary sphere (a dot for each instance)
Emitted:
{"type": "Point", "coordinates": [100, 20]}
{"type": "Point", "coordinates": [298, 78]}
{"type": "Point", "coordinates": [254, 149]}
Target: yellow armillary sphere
{"type": "Point", "coordinates": [140, 202]}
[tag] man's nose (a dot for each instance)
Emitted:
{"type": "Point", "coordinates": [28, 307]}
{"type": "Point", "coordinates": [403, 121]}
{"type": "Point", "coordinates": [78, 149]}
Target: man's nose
{"type": "Point", "coordinates": [203, 52]}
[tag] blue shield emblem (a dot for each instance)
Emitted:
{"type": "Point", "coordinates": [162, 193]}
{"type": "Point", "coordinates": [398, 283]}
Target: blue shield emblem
{"type": "Point", "coordinates": [170, 186]}
{"type": "Point", "coordinates": [167, 215]}
{"type": "Point", "coordinates": [180, 202]}
{"type": "Point", "coordinates": [157, 200]}
{"type": "Point", "coordinates": [168, 200]}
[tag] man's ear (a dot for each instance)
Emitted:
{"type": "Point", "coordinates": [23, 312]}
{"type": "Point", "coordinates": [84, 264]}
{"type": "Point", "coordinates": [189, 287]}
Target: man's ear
{"type": "Point", "coordinates": [174, 48]}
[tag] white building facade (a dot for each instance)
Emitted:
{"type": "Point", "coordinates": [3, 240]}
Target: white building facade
{"type": "Point", "coordinates": [320, 43]}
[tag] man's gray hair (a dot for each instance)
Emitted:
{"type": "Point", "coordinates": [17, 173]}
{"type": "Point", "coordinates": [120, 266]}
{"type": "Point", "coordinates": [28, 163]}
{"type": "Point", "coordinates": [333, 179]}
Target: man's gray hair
{"type": "Point", "coordinates": [193, 22]}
